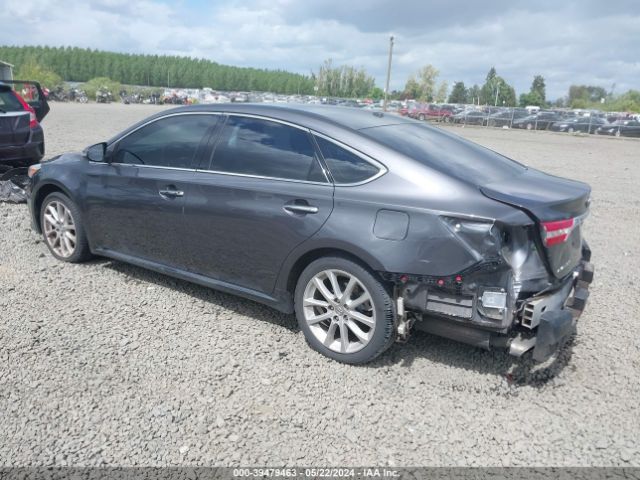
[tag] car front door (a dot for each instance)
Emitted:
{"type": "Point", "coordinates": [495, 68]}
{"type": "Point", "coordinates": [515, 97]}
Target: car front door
{"type": "Point", "coordinates": [263, 193]}
{"type": "Point", "coordinates": [135, 200]}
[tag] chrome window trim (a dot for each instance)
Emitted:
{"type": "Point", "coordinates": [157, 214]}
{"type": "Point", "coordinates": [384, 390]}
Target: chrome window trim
{"type": "Point", "coordinates": [382, 169]}
{"type": "Point", "coordinates": [247, 175]}
{"type": "Point", "coordinates": [274, 120]}
{"type": "Point", "coordinates": [270, 119]}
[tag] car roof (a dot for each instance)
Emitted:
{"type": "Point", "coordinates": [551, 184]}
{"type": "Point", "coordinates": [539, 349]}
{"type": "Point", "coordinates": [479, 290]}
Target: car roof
{"type": "Point", "coordinates": [348, 117]}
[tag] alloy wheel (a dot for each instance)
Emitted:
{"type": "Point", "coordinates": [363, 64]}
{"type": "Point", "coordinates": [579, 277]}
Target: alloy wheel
{"type": "Point", "coordinates": [59, 229]}
{"type": "Point", "coordinates": [339, 311]}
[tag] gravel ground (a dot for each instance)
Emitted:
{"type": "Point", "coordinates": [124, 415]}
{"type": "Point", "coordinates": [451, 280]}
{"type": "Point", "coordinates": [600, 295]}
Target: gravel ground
{"type": "Point", "coordinates": [104, 363]}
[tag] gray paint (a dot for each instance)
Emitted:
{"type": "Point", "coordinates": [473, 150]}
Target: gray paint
{"type": "Point", "coordinates": [232, 232]}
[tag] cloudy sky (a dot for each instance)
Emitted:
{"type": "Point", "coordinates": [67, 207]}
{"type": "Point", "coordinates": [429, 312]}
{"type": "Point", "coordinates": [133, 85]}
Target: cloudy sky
{"type": "Point", "coordinates": [570, 41]}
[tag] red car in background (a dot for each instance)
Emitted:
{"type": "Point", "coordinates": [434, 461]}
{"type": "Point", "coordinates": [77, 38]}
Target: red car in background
{"type": "Point", "coordinates": [441, 113]}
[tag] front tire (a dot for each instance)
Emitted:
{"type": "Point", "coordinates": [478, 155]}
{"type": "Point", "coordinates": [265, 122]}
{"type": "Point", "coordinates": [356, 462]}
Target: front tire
{"type": "Point", "coordinates": [344, 311]}
{"type": "Point", "coordinates": [63, 230]}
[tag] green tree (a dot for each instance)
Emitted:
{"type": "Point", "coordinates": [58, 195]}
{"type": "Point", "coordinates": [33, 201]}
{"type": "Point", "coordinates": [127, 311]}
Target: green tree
{"type": "Point", "coordinates": [101, 83]}
{"type": "Point", "coordinates": [538, 87]}
{"type": "Point", "coordinates": [536, 95]}
{"type": "Point", "coordinates": [441, 92]}
{"type": "Point", "coordinates": [80, 65]}
{"type": "Point", "coordinates": [422, 85]}
{"type": "Point", "coordinates": [411, 88]}
{"type": "Point", "coordinates": [496, 91]}
{"type": "Point", "coordinates": [376, 93]}
{"type": "Point", "coordinates": [473, 94]}
{"type": "Point", "coordinates": [627, 102]}
{"type": "Point", "coordinates": [458, 93]}
{"type": "Point", "coordinates": [31, 70]}
{"type": "Point", "coordinates": [580, 96]}
{"type": "Point", "coordinates": [344, 81]}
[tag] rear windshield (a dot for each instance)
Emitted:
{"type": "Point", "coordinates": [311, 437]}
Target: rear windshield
{"type": "Point", "coordinates": [9, 102]}
{"type": "Point", "coordinates": [446, 152]}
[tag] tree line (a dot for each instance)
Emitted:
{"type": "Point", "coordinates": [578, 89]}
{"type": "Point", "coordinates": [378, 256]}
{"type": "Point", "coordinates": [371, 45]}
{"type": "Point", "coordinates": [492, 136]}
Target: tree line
{"type": "Point", "coordinates": [52, 65]}
{"type": "Point", "coordinates": [80, 65]}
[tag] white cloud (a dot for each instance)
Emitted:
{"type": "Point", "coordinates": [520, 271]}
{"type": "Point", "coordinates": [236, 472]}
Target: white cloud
{"type": "Point", "coordinates": [576, 42]}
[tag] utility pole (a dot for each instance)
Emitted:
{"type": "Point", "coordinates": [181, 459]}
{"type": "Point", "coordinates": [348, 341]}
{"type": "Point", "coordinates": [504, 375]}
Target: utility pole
{"type": "Point", "coordinates": [386, 90]}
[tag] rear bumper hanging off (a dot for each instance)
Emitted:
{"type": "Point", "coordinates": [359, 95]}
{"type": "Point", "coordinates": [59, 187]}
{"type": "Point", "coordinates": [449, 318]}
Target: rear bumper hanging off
{"type": "Point", "coordinates": [556, 326]}
{"type": "Point", "coordinates": [553, 325]}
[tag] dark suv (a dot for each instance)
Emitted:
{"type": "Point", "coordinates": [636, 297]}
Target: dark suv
{"type": "Point", "coordinates": [362, 223]}
{"type": "Point", "coordinates": [21, 136]}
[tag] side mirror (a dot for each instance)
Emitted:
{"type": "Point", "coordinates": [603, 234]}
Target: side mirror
{"type": "Point", "coordinates": [97, 152]}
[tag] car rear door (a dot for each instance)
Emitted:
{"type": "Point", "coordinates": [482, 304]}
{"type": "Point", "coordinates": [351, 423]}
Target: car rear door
{"type": "Point", "coordinates": [263, 192]}
{"type": "Point", "coordinates": [135, 201]}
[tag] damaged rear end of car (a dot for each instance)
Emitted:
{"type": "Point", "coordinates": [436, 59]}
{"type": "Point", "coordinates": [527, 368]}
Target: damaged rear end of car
{"type": "Point", "coordinates": [519, 275]}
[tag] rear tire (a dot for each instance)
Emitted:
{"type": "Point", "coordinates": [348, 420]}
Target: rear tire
{"type": "Point", "coordinates": [356, 325]}
{"type": "Point", "coordinates": [63, 230]}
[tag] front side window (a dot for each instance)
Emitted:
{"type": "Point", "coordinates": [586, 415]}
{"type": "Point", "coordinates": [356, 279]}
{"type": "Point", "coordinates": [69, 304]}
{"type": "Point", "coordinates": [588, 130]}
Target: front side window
{"type": "Point", "coordinates": [168, 142]}
{"type": "Point", "coordinates": [252, 146]}
{"type": "Point", "coordinates": [345, 167]}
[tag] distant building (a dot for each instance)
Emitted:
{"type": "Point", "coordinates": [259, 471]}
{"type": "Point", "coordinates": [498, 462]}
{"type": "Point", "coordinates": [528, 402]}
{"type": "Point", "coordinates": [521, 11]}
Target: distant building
{"type": "Point", "coordinates": [6, 71]}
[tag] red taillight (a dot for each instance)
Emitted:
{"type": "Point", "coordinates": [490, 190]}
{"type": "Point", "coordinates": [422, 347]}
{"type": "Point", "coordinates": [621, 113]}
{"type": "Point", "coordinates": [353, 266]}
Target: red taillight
{"type": "Point", "coordinates": [557, 232]}
{"type": "Point", "coordinates": [33, 120]}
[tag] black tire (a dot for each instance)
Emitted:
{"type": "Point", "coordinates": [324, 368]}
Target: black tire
{"type": "Point", "coordinates": [81, 252]}
{"type": "Point", "coordinates": [384, 331]}
{"type": "Point", "coordinates": [421, 117]}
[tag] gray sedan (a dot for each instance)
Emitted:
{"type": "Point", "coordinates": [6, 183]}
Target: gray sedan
{"type": "Point", "coordinates": [365, 225]}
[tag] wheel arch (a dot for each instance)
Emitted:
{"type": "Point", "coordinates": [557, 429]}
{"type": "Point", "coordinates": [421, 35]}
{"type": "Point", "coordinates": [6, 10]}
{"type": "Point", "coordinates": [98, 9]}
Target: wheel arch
{"type": "Point", "coordinates": [39, 196]}
{"type": "Point", "coordinates": [296, 265]}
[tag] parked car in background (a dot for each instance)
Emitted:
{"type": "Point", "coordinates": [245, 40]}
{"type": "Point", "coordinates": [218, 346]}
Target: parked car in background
{"type": "Point", "coordinates": [21, 136]}
{"type": "Point", "coordinates": [365, 224]}
{"type": "Point", "coordinates": [470, 117]}
{"type": "Point", "coordinates": [505, 118]}
{"type": "Point", "coordinates": [578, 124]}
{"type": "Point", "coordinates": [538, 121]}
{"type": "Point", "coordinates": [623, 128]}
{"type": "Point", "coordinates": [432, 111]}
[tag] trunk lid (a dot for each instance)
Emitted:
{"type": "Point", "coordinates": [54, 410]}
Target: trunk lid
{"type": "Point", "coordinates": [14, 128]}
{"type": "Point", "coordinates": [557, 204]}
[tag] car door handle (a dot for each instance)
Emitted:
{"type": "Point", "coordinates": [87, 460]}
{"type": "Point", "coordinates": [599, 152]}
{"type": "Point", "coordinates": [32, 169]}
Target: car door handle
{"type": "Point", "coordinates": [304, 209]}
{"type": "Point", "coordinates": [171, 193]}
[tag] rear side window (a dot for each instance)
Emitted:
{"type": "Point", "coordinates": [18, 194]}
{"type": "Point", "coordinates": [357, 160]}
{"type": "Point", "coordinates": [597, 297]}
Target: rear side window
{"type": "Point", "coordinates": [345, 167]}
{"type": "Point", "coordinates": [446, 152]}
{"type": "Point", "coordinates": [9, 102]}
{"type": "Point", "coordinates": [169, 142]}
{"type": "Point", "coordinates": [252, 146]}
